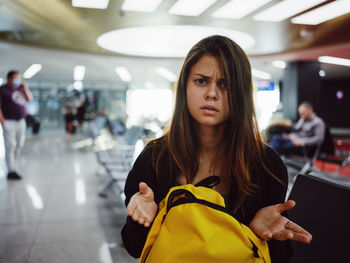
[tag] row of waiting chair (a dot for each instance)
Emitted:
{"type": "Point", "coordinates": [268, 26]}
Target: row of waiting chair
{"type": "Point", "coordinates": [117, 163]}
{"type": "Point", "coordinates": [117, 160]}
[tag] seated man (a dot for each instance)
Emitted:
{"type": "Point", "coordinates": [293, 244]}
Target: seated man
{"type": "Point", "coordinates": [308, 131]}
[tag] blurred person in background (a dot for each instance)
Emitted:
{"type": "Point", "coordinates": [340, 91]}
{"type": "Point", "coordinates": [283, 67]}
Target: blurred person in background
{"type": "Point", "coordinates": [13, 98]}
{"type": "Point", "coordinates": [70, 116]}
{"type": "Point", "coordinates": [308, 132]}
{"type": "Point", "coordinates": [81, 110]}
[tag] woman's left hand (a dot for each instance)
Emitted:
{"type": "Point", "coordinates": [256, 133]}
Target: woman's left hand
{"type": "Point", "coordinates": [268, 223]}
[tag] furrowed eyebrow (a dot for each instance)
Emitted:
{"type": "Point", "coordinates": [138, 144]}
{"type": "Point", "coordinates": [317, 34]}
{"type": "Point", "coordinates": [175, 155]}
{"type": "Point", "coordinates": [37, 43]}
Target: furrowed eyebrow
{"type": "Point", "coordinates": [203, 76]}
{"type": "Point", "coordinates": [207, 77]}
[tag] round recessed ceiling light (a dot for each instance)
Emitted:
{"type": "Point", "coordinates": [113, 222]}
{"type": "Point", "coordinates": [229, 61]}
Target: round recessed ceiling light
{"type": "Point", "coordinates": [322, 73]}
{"type": "Point", "coordinates": [165, 41]}
{"type": "Point", "coordinates": [340, 95]}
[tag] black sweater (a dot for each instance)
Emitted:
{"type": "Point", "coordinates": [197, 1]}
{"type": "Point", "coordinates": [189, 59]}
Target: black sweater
{"type": "Point", "coordinates": [268, 192]}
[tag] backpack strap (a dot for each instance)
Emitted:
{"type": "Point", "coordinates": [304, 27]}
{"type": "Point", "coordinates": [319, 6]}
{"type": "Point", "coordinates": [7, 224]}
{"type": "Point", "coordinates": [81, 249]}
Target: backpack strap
{"type": "Point", "coordinates": [209, 182]}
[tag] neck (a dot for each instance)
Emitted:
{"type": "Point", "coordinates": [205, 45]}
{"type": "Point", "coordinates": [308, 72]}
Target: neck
{"type": "Point", "coordinates": [210, 139]}
{"type": "Point", "coordinates": [10, 85]}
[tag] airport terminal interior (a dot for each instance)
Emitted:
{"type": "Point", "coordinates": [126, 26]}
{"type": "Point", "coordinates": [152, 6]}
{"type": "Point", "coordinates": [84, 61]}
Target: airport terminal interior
{"type": "Point", "coordinates": [103, 76]}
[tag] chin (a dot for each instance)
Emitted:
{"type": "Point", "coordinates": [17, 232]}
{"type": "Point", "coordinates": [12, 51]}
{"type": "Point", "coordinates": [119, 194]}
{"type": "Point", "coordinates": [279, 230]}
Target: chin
{"type": "Point", "coordinates": [209, 123]}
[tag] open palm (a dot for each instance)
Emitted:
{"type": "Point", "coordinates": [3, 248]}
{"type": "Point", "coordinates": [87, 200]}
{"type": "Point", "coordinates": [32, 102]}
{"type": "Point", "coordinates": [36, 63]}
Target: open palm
{"type": "Point", "coordinates": [142, 207]}
{"type": "Point", "coordinates": [268, 223]}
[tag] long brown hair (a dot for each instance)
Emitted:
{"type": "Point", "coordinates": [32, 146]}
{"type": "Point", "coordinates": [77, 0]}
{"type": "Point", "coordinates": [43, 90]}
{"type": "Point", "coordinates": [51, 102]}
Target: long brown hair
{"type": "Point", "coordinates": [243, 147]}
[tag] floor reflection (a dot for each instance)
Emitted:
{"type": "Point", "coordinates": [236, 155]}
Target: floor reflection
{"type": "Point", "coordinates": [54, 214]}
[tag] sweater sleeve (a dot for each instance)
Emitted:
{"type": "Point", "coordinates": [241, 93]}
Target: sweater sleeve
{"type": "Point", "coordinates": [274, 191]}
{"type": "Point", "coordinates": [133, 234]}
{"type": "Point", "coordinates": [280, 251]}
{"type": "Point", "coordinates": [318, 133]}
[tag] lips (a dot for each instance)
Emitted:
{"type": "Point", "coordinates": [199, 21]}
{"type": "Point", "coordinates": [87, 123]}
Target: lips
{"type": "Point", "coordinates": [210, 108]}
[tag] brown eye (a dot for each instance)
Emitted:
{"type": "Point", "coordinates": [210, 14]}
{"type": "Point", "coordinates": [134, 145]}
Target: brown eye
{"type": "Point", "coordinates": [201, 82]}
{"type": "Point", "coordinates": [222, 84]}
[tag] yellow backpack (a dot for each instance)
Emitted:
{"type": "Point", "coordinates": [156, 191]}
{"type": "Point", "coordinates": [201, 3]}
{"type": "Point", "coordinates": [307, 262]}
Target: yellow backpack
{"type": "Point", "coordinates": [193, 225]}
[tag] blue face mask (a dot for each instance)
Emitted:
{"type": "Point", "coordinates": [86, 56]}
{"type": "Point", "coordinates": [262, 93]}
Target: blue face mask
{"type": "Point", "coordinates": [17, 83]}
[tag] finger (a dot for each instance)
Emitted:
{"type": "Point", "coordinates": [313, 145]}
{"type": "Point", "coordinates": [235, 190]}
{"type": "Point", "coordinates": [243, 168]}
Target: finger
{"type": "Point", "coordinates": [266, 236]}
{"type": "Point", "coordinates": [302, 238]}
{"type": "Point", "coordinates": [284, 235]}
{"type": "Point", "coordinates": [147, 222]}
{"type": "Point", "coordinates": [143, 188]}
{"type": "Point", "coordinates": [136, 215]}
{"type": "Point", "coordinates": [285, 206]}
{"type": "Point", "coordinates": [131, 208]}
{"type": "Point", "coordinates": [142, 219]}
{"type": "Point", "coordinates": [296, 228]}
{"type": "Point", "coordinates": [288, 234]}
{"type": "Point", "coordinates": [145, 216]}
{"type": "Point", "coordinates": [263, 234]}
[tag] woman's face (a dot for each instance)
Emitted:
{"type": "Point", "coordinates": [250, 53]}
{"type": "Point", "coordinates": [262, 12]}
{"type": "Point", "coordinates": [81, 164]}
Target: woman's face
{"type": "Point", "coordinates": [207, 92]}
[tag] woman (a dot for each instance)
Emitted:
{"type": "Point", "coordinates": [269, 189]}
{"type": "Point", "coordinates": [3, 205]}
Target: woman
{"type": "Point", "coordinates": [214, 132]}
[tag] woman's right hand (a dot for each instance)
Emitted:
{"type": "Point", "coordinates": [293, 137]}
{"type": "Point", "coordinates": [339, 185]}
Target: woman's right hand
{"type": "Point", "coordinates": [142, 207]}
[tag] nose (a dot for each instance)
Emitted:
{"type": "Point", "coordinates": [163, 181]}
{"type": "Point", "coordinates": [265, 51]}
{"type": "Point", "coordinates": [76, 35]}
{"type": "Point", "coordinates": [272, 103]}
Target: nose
{"type": "Point", "coordinates": [212, 92]}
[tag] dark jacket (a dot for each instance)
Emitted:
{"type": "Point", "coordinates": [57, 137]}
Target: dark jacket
{"type": "Point", "coordinates": [268, 192]}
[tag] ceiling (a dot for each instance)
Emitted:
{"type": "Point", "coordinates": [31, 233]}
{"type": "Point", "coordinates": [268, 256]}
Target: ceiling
{"type": "Point", "coordinates": [59, 36]}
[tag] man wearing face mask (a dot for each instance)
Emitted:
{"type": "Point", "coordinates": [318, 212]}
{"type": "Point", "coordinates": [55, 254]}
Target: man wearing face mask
{"type": "Point", "coordinates": [13, 98]}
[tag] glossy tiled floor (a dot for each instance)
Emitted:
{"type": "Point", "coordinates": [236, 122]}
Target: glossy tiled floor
{"type": "Point", "coordinates": [54, 214]}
